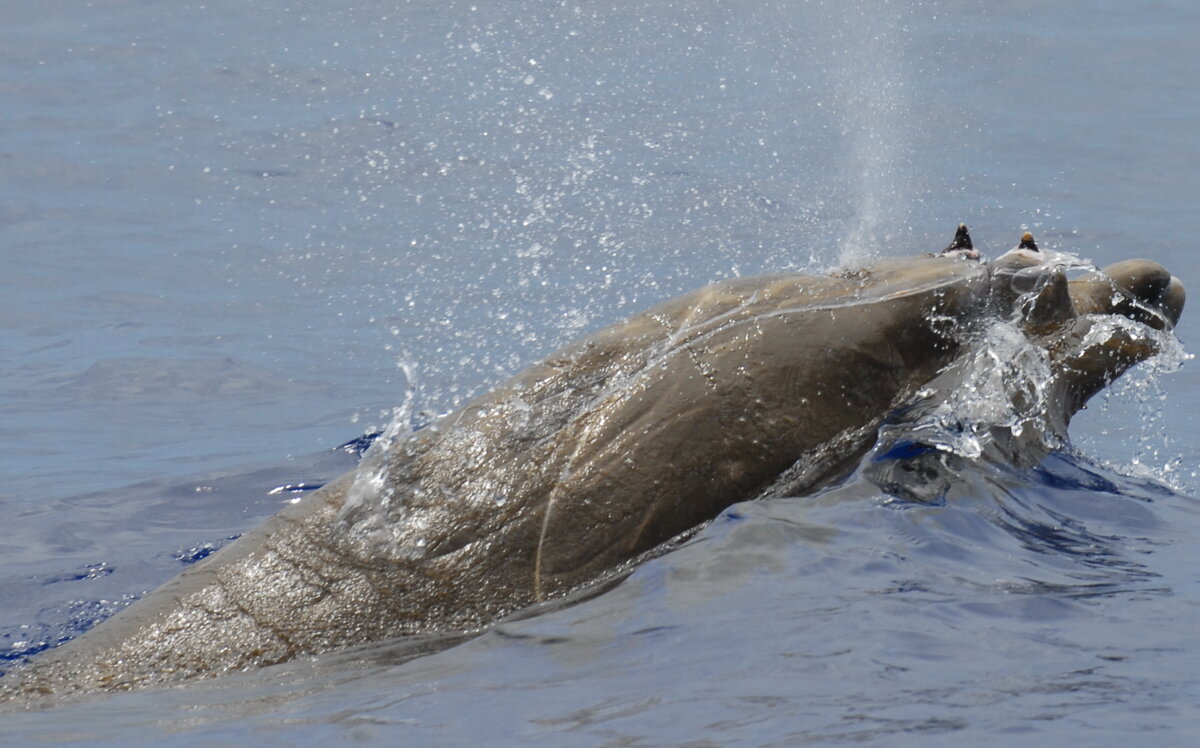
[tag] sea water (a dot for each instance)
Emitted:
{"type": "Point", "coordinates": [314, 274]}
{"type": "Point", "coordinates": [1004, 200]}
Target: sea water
{"type": "Point", "coordinates": [237, 235]}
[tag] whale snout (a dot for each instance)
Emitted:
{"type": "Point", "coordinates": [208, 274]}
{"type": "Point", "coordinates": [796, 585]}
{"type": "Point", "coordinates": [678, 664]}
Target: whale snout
{"type": "Point", "coordinates": [1088, 354]}
{"type": "Point", "coordinates": [1151, 285]}
{"type": "Point", "coordinates": [1139, 289]}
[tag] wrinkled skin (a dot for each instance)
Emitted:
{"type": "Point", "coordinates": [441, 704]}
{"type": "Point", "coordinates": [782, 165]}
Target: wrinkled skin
{"type": "Point", "coordinates": [607, 451]}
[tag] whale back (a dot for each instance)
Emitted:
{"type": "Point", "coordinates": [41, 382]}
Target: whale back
{"type": "Point", "coordinates": [602, 453]}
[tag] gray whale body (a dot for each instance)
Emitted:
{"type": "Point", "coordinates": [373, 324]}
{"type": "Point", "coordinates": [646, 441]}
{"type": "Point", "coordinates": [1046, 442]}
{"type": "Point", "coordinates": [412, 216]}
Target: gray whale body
{"type": "Point", "coordinates": [608, 451]}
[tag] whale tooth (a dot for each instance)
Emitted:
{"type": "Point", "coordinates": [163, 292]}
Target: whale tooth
{"type": "Point", "coordinates": [962, 245]}
{"type": "Point", "coordinates": [962, 239]}
{"type": "Point", "coordinates": [1027, 242]}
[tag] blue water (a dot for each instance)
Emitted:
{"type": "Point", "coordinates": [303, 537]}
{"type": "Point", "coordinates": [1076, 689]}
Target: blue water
{"type": "Point", "coordinates": [237, 234]}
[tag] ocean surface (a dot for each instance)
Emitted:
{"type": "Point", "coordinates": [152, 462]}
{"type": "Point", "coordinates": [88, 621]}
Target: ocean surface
{"type": "Point", "coordinates": [237, 235]}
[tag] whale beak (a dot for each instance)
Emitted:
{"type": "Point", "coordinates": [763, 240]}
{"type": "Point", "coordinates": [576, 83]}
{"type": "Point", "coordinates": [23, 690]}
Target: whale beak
{"type": "Point", "coordinates": [1141, 290]}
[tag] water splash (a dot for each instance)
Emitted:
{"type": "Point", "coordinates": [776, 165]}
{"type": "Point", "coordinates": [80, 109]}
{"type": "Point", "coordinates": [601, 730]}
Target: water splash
{"type": "Point", "coordinates": [369, 492]}
{"type": "Point", "coordinates": [1134, 408]}
{"type": "Point", "coordinates": [996, 391]}
{"type": "Point", "coordinates": [1000, 387]}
